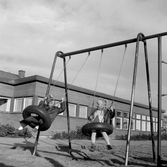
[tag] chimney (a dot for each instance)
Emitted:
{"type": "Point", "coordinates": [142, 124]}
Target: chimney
{"type": "Point", "coordinates": [21, 73]}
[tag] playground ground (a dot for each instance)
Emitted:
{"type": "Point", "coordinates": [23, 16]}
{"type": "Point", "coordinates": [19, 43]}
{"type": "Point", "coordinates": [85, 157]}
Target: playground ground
{"type": "Point", "coordinates": [17, 152]}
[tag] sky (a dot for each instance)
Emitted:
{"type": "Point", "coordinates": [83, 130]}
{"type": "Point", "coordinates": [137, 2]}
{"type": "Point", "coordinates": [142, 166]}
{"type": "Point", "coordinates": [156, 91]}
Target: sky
{"type": "Point", "coordinates": [32, 31]}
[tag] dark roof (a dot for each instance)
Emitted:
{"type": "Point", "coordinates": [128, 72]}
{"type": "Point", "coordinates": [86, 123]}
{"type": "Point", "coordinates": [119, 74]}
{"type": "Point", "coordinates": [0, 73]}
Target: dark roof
{"type": "Point", "coordinates": [8, 75]}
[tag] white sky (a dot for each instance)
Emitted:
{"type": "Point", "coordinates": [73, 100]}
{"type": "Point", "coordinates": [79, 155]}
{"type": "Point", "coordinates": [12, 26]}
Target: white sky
{"type": "Point", "coordinates": [32, 31]}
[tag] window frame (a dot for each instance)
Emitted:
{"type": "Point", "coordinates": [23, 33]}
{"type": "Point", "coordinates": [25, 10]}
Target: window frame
{"type": "Point", "coordinates": [118, 117]}
{"type": "Point", "coordinates": [75, 111]}
{"type": "Point", "coordinates": [6, 106]}
{"type": "Point", "coordinates": [22, 105]}
{"type": "Point", "coordinates": [138, 120]}
{"type": "Point", "coordinates": [86, 111]}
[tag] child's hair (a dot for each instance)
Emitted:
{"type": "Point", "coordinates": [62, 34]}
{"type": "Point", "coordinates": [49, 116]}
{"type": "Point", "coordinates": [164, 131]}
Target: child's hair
{"type": "Point", "coordinates": [48, 99]}
{"type": "Point", "coordinates": [104, 101]}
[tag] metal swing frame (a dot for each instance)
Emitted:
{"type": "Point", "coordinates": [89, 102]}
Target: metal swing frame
{"type": "Point", "coordinates": [139, 38]}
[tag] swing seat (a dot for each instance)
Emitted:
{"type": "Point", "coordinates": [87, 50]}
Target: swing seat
{"type": "Point", "coordinates": [33, 109]}
{"type": "Point", "coordinates": [97, 127]}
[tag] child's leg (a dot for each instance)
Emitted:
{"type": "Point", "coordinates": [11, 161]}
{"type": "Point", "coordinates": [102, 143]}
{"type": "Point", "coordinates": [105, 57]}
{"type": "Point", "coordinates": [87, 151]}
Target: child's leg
{"type": "Point", "coordinates": [40, 121]}
{"type": "Point", "coordinates": [32, 121]}
{"type": "Point", "coordinates": [35, 129]}
{"type": "Point", "coordinates": [106, 138]}
{"type": "Point", "coordinates": [93, 138]}
{"type": "Point", "coordinates": [109, 147]}
{"type": "Point", "coordinates": [23, 124]}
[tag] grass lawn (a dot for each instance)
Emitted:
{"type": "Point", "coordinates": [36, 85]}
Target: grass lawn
{"type": "Point", "coordinates": [18, 153]}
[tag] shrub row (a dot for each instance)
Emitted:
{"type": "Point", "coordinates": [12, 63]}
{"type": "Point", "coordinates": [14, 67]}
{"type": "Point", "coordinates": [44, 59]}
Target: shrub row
{"type": "Point", "coordinates": [74, 134]}
{"type": "Point", "coordinates": [141, 137]}
{"type": "Point", "coordinates": [9, 131]}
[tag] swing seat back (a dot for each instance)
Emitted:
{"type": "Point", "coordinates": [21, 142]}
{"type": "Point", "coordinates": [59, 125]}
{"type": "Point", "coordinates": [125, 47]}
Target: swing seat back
{"type": "Point", "coordinates": [33, 109]}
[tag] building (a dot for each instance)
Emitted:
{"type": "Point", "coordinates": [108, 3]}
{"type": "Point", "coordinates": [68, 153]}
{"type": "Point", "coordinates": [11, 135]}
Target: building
{"type": "Point", "coordinates": [20, 91]}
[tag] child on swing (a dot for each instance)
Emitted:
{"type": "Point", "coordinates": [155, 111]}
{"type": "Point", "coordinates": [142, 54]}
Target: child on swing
{"type": "Point", "coordinates": [101, 114]}
{"type": "Point", "coordinates": [51, 106]}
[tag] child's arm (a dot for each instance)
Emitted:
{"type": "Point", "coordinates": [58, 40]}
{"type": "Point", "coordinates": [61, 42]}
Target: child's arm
{"type": "Point", "coordinates": [62, 105]}
{"type": "Point", "coordinates": [92, 115]}
{"type": "Point", "coordinates": [112, 112]}
{"type": "Point", "coordinates": [57, 109]}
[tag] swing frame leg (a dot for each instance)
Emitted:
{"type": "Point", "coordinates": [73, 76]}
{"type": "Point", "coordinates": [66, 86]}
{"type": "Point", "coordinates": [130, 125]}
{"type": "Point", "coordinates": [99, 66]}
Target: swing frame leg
{"type": "Point", "coordinates": [36, 143]}
{"type": "Point", "coordinates": [47, 93]}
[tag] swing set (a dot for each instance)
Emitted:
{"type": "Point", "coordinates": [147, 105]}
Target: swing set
{"type": "Point", "coordinates": [140, 38]}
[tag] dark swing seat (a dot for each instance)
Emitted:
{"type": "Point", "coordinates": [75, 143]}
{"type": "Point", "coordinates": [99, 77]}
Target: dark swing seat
{"type": "Point", "coordinates": [33, 109]}
{"type": "Point", "coordinates": [97, 127]}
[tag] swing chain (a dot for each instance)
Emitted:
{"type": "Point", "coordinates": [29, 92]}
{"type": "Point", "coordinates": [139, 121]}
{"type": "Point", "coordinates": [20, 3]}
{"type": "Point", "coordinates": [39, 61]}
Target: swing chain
{"type": "Point", "coordinates": [97, 76]}
{"type": "Point", "coordinates": [119, 76]}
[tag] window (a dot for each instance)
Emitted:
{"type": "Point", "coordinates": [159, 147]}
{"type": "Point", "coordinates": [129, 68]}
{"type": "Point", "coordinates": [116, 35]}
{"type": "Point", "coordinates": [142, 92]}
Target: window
{"type": "Point", "coordinates": [125, 121]}
{"type": "Point", "coordinates": [6, 105]}
{"type": "Point", "coordinates": [138, 116]}
{"type": "Point", "coordinates": [161, 123]}
{"type": "Point", "coordinates": [21, 103]}
{"type": "Point", "coordinates": [138, 121]}
{"type": "Point", "coordinates": [119, 114]}
{"type": "Point", "coordinates": [72, 110]}
{"type": "Point", "coordinates": [133, 122]}
{"type": "Point", "coordinates": [165, 124]}
{"type": "Point", "coordinates": [154, 124]}
{"type": "Point", "coordinates": [148, 118]}
{"type": "Point", "coordinates": [143, 125]}
{"type": "Point", "coordinates": [148, 124]}
{"type": "Point", "coordinates": [27, 102]}
{"type": "Point", "coordinates": [82, 111]}
{"type": "Point", "coordinates": [18, 104]}
{"type": "Point", "coordinates": [119, 123]}
{"type": "Point", "coordinates": [118, 119]}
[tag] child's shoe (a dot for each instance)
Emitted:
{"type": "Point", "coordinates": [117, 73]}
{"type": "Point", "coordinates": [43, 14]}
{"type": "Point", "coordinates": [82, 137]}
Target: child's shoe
{"type": "Point", "coordinates": [92, 148]}
{"type": "Point", "coordinates": [109, 147]}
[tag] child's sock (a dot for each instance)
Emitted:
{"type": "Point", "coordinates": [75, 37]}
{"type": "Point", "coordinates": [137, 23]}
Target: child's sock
{"type": "Point", "coordinates": [35, 129]}
{"type": "Point", "coordinates": [20, 128]}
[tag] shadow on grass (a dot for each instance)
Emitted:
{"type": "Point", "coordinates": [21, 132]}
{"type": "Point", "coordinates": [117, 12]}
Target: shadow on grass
{"type": "Point", "coordinates": [27, 146]}
{"type": "Point", "coordinates": [76, 154]}
{"type": "Point", "coordinates": [30, 146]}
{"type": "Point", "coordinates": [142, 161]}
{"type": "Point", "coordinates": [73, 152]}
{"type": "Point", "coordinates": [6, 144]}
{"type": "Point", "coordinates": [80, 155]}
{"type": "Point", "coordinates": [3, 165]}
{"type": "Point", "coordinates": [53, 162]}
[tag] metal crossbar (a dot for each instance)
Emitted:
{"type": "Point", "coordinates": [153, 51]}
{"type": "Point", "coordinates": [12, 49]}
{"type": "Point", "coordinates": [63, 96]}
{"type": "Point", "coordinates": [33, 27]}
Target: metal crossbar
{"type": "Point", "coordinates": [111, 45]}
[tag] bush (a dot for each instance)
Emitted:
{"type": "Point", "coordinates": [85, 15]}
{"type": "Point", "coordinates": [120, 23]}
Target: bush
{"type": "Point", "coordinates": [74, 134]}
{"type": "Point", "coordinates": [141, 137]}
{"type": "Point", "coordinates": [9, 131]}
